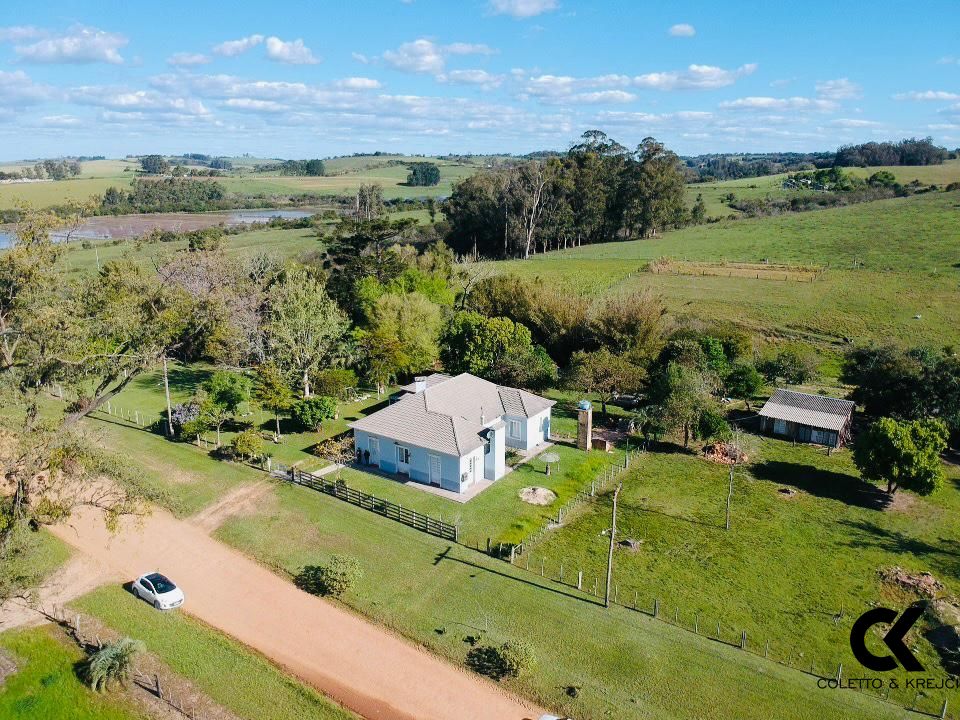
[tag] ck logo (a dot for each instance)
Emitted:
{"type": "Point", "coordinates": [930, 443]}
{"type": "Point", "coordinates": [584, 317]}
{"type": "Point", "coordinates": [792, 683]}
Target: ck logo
{"type": "Point", "coordinates": [893, 639]}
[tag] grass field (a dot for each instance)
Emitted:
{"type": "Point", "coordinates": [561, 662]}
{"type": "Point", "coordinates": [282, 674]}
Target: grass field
{"type": "Point", "coordinates": [905, 250]}
{"type": "Point", "coordinates": [789, 565]}
{"type": "Point", "coordinates": [227, 672]}
{"type": "Point", "coordinates": [623, 664]}
{"type": "Point", "coordinates": [45, 685]}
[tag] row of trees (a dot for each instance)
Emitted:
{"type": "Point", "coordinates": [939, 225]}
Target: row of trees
{"type": "Point", "coordinates": [423, 174]}
{"type": "Point", "coordinates": [46, 170]}
{"type": "Point", "coordinates": [598, 191]}
{"type": "Point", "coordinates": [912, 151]}
{"type": "Point", "coordinates": [166, 195]}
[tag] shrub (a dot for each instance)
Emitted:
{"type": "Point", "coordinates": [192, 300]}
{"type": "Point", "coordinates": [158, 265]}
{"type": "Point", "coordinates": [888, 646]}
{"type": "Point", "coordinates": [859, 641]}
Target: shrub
{"type": "Point", "coordinates": [111, 664]}
{"type": "Point", "coordinates": [335, 382]}
{"type": "Point", "coordinates": [310, 412]}
{"type": "Point", "coordinates": [333, 579]}
{"type": "Point", "coordinates": [793, 364]}
{"type": "Point", "coordinates": [512, 659]}
{"type": "Point", "coordinates": [714, 426]}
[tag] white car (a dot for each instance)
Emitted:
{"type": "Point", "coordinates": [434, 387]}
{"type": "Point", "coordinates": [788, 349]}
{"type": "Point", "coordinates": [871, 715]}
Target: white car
{"type": "Point", "coordinates": [158, 590]}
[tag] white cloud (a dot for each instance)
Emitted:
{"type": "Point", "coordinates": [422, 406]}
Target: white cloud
{"type": "Point", "coordinates": [603, 96]}
{"type": "Point", "coordinates": [230, 48]}
{"type": "Point", "coordinates": [462, 48]}
{"type": "Point", "coordinates": [360, 58]}
{"type": "Point", "coordinates": [948, 60]}
{"type": "Point", "coordinates": [771, 103]}
{"type": "Point", "coordinates": [358, 83]}
{"type": "Point", "coordinates": [522, 8]}
{"type": "Point", "coordinates": [840, 89]}
{"type": "Point", "coordinates": [927, 95]}
{"type": "Point", "coordinates": [419, 56]}
{"type": "Point", "coordinates": [487, 81]}
{"type": "Point", "coordinates": [127, 101]}
{"type": "Point", "coordinates": [60, 121]}
{"type": "Point", "coordinates": [19, 33]}
{"type": "Point", "coordinates": [292, 52]}
{"type": "Point", "coordinates": [253, 105]}
{"type": "Point", "coordinates": [682, 30]}
{"type": "Point", "coordinates": [695, 77]}
{"type": "Point", "coordinates": [853, 123]}
{"type": "Point", "coordinates": [18, 90]}
{"type": "Point", "coordinates": [186, 59]}
{"type": "Point", "coordinates": [78, 45]}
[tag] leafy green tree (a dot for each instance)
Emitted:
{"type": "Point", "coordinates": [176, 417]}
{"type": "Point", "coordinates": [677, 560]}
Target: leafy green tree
{"type": "Point", "coordinates": [154, 165]}
{"type": "Point", "coordinates": [743, 382]}
{"type": "Point", "coordinates": [314, 168]}
{"type": "Point", "coordinates": [712, 425]}
{"type": "Point", "coordinates": [698, 214]}
{"type": "Point", "coordinates": [336, 382]}
{"type": "Point", "coordinates": [272, 391]}
{"type": "Point", "coordinates": [793, 364]}
{"type": "Point", "coordinates": [604, 373]}
{"type": "Point", "coordinates": [334, 578]}
{"type": "Point", "coordinates": [423, 174]}
{"type": "Point", "coordinates": [112, 664]}
{"type": "Point", "coordinates": [632, 322]}
{"type": "Point", "coordinates": [414, 322]}
{"type": "Point", "coordinates": [306, 329]}
{"type": "Point", "coordinates": [684, 394]}
{"type": "Point", "coordinates": [247, 445]}
{"type": "Point", "coordinates": [309, 413]}
{"type": "Point", "coordinates": [903, 454]}
{"type": "Point", "coordinates": [224, 392]}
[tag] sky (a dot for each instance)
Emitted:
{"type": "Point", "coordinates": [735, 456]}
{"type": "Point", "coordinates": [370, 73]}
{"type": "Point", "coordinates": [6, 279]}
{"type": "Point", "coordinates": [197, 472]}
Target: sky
{"type": "Point", "coordinates": [316, 79]}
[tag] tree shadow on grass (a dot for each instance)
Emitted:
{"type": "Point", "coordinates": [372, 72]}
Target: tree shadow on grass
{"type": "Point", "coordinates": [823, 483]}
{"type": "Point", "coordinates": [944, 554]}
{"type": "Point", "coordinates": [486, 660]}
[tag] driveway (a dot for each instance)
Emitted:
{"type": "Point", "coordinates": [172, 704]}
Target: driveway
{"type": "Point", "coordinates": [357, 663]}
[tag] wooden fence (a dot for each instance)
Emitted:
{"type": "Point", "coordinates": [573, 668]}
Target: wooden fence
{"type": "Point", "coordinates": [391, 510]}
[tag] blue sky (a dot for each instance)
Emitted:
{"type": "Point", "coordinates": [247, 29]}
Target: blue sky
{"type": "Point", "coordinates": [298, 79]}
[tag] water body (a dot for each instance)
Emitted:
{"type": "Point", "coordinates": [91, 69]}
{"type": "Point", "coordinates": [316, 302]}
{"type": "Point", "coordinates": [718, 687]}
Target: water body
{"type": "Point", "coordinates": [109, 227]}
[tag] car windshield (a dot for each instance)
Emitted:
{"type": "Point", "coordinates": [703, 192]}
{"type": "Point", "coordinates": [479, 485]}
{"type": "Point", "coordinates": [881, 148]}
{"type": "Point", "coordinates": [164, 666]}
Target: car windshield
{"type": "Point", "coordinates": [161, 583]}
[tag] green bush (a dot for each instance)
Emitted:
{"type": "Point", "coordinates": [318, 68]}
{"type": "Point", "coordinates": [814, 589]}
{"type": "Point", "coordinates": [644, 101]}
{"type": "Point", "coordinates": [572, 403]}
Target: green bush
{"type": "Point", "coordinates": [512, 659]}
{"type": "Point", "coordinates": [335, 382]}
{"type": "Point", "coordinates": [333, 579]}
{"type": "Point", "coordinates": [310, 412]}
{"type": "Point", "coordinates": [111, 664]}
{"type": "Point", "coordinates": [247, 445]}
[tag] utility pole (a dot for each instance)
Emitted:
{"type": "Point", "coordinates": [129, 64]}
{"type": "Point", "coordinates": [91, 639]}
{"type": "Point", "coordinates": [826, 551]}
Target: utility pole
{"type": "Point", "coordinates": [166, 390]}
{"type": "Point", "coordinates": [613, 534]}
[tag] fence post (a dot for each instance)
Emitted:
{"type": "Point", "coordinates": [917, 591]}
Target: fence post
{"type": "Point", "coordinates": [156, 680]}
{"type": "Point", "coordinates": [561, 572]}
{"type": "Point", "coordinates": [676, 615]}
{"type": "Point", "coordinates": [542, 562]}
{"type": "Point", "coordinates": [696, 623]}
{"type": "Point", "coordinates": [513, 549]}
{"type": "Point", "coordinates": [579, 579]}
{"type": "Point", "coordinates": [634, 599]}
{"type": "Point", "coordinates": [743, 639]}
{"type": "Point", "coordinates": [766, 648]}
{"type": "Point", "coordinates": [656, 607]}
{"type": "Point", "coordinates": [943, 710]}
{"type": "Point", "coordinates": [839, 672]}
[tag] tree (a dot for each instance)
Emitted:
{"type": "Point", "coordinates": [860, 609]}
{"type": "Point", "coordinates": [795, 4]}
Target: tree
{"type": "Point", "coordinates": [225, 391]}
{"type": "Point", "coordinates": [369, 204]}
{"type": "Point", "coordinates": [793, 364]}
{"type": "Point", "coordinates": [306, 328]}
{"type": "Point", "coordinates": [314, 168]}
{"type": "Point", "coordinates": [604, 373]}
{"type": "Point", "coordinates": [273, 392]}
{"type": "Point", "coordinates": [743, 382]}
{"type": "Point", "coordinates": [654, 197]}
{"type": "Point", "coordinates": [309, 413]}
{"type": "Point", "coordinates": [247, 445]}
{"type": "Point", "coordinates": [414, 322]}
{"type": "Point", "coordinates": [154, 165]}
{"type": "Point", "coordinates": [698, 214]}
{"type": "Point", "coordinates": [684, 394]}
{"type": "Point", "coordinates": [903, 454]}
{"type": "Point", "coordinates": [112, 664]}
{"type": "Point", "coordinates": [336, 382]}
{"type": "Point", "coordinates": [632, 322]}
{"type": "Point", "coordinates": [423, 174]}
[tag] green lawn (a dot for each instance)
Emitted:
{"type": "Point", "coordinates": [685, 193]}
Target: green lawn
{"type": "Point", "coordinates": [906, 250]}
{"type": "Point", "coordinates": [623, 664]}
{"type": "Point", "coordinates": [789, 564]}
{"type": "Point", "coordinates": [230, 674]}
{"type": "Point", "coordinates": [46, 687]}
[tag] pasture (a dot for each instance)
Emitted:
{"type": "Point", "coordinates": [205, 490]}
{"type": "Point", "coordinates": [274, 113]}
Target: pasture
{"type": "Point", "coordinates": [886, 262]}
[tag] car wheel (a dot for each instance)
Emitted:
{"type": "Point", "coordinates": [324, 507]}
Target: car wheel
{"type": "Point", "coordinates": [156, 604]}
{"type": "Point", "coordinates": [136, 593]}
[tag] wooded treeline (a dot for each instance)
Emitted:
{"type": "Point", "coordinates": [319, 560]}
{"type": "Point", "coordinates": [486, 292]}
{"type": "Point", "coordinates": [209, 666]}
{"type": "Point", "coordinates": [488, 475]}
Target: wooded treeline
{"type": "Point", "coordinates": [597, 192]}
{"type": "Point", "coordinates": [910, 151]}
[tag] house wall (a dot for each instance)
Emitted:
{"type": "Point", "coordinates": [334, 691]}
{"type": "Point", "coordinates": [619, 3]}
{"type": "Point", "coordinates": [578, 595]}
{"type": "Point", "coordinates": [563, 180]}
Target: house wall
{"type": "Point", "coordinates": [803, 433]}
{"type": "Point", "coordinates": [533, 431]}
{"type": "Point", "coordinates": [419, 460]}
{"type": "Point", "coordinates": [494, 462]}
{"type": "Point", "coordinates": [466, 478]}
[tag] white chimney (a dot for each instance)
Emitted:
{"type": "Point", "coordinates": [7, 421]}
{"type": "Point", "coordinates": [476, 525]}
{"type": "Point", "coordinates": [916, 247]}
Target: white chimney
{"type": "Point", "coordinates": [419, 384]}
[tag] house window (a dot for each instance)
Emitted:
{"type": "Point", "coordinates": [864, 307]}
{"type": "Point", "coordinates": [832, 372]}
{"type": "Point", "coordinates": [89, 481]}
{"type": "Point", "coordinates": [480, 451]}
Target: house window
{"type": "Point", "coordinates": [403, 455]}
{"type": "Point", "coordinates": [513, 429]}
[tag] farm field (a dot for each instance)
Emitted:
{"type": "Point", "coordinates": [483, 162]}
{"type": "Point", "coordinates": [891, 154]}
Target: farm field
{"type": "Point", "coordinates": [905, 250]}
{"type": "Point", "coordinates": [795, 569]}
{"type": "Point", "coordinates": [45, 685]}
{"type": "Point", "coordinates": [231, 675]}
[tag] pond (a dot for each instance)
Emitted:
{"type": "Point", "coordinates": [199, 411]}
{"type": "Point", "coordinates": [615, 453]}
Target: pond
{"type": "Point", "coordinates": [105, 227]}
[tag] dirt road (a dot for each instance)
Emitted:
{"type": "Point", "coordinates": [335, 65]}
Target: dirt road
{"type": "Point", "coordinates": [364, 667]}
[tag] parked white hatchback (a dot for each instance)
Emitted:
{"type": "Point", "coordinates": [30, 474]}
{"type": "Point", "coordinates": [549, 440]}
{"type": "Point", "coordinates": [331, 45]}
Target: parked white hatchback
{"type": "Point", "coordinates": [158, 590]}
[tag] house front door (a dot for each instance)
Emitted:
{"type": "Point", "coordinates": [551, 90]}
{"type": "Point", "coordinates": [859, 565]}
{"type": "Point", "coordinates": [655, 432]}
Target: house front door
{"type": "Point", "coordinates": [435, 470]}
{"type": "Point", "coordinates": [373, 445]}
{"type": "Point", "coordinates": [403, 460]}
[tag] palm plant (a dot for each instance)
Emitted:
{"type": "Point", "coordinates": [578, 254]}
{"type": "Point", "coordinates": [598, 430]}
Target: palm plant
{"type": "Point", "coordinates": [112, 663]}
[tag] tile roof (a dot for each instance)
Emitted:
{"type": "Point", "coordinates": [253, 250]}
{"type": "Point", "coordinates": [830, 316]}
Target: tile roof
{"type": "Point", "coordinates": [431, 380]}
{"type": "Point", "coordinates": [817, 411]}
{"type": "Point", "coordinates": [450, 414]}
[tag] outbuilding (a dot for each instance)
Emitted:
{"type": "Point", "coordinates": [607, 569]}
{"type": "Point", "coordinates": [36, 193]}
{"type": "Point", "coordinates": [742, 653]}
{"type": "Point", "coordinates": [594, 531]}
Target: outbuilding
{"type": "Point", "coordinates": [807, 418]}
